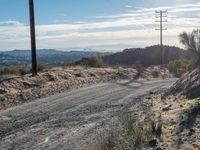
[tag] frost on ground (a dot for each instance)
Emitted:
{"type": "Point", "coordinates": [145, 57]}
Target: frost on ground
{"type": "Point", "coordinates": [181, 121]}
{"type": "Point", "coordinates": [23, 89]}
{"type": "Point", "coordinates": [188, 85]}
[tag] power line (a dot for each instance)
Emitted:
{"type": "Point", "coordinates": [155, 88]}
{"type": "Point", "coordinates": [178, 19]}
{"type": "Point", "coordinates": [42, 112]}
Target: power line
{"type": "Point", "coordinates": [161, 17]}
{"type": "Point", "coordinates": [33, 40]}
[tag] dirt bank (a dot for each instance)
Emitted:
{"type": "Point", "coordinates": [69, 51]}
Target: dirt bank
{"type": "Point", "coordinates": [24, 89]}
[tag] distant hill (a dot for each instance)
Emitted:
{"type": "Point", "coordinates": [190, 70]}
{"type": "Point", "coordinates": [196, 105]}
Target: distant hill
{"type": "Point", "coordinates": [146, 56]}
{"type": "Point", "coordinates": [46, 56]}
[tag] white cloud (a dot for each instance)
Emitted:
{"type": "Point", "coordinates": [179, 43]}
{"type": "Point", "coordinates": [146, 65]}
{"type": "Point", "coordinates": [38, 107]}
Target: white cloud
{"type": "Point", "coordinates": [133, 28]}
{"type": "Point", "coordinates": [128, 6]}
{"type": "Point", "coordinates": [10, 23]}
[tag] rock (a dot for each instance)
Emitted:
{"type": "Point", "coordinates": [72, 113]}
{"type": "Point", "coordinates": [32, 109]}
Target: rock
{"type": "Point", "coordinates": [151, 93]}
{"type": "Point", "coordinates": [3, 91]}
{"type": "Point", "coordinates": [191, 132]}
{"type": "Point", "coordinates": [78, 74]}
{"type": "Point", "coordinates": [2, 99]}
{"type": "Point", "coordinates": [50, 76]}
{"type": "Point", "coordinates": [67, 75]}
{"type": "Point", "coordinates": [158, 148]}
{"type": "Point", "coordinates": [29, 84]}
{"type": "Point", "coordinates": [92, 75]}
{"type": "Point", "coordinates": [179, 131]}
{"type": "Point", "coordinates": [153, 143]}
{"type": "Point", "coordinates": [182, 123]}
{"type": "Point", "coordinates": [149, 98]}
{"type": "Point", "coordinates": [166, 109]}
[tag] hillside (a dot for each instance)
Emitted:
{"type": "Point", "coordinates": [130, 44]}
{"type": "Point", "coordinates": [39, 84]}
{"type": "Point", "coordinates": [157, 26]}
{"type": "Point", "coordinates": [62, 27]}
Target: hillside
{"type": "Point", "coordinates": [46, 56]}
{"type": "Point", "coordinates": [146, 56]}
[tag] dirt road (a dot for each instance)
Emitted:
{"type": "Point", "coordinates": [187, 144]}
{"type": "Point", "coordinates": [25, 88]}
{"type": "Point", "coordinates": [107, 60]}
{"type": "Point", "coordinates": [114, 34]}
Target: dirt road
{"type": "Point", "coordinates": [66, 120]}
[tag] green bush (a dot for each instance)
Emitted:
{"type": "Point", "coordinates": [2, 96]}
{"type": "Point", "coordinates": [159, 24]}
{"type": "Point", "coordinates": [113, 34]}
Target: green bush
{"type": "Point", "coordinates": [91, 62]}
{"type": "Point", "coordinates": [180, 67]}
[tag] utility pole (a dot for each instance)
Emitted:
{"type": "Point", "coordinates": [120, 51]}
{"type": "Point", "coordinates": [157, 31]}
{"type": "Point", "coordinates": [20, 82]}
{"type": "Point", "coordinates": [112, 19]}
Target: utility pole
{"type": "Point", "coordinates": [161, 16]}
{"type": "Point", "coordinates": [33, 40]}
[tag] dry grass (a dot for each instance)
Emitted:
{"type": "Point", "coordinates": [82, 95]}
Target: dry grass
{"type": "Point", "coordinates": [12, 71]}
{"type": "Point", "coordinates": [130, 135]}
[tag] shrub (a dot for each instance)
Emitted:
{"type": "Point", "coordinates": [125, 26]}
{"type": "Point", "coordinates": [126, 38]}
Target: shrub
{"type": "Point", "coordinates": [13, 71]}
{"type": "Point", "coordinates": [134, 132]}
{"type": "Point", "coordinates": [192, 43]}
{"type": "Point", "coordinates": [139, 67]}
{"type": "Point", "coordinates": [68, 64]}
{"type": "Point", "coordinates": [156, 126]}
{"type": "Point", "coordinates": [180, 67]}
{"type": "Point", "coordinates": [91, 62]}
{"type": "Point", "coordinates": [44, 67]}
{"type": "Point", "coordinates": [155, 74]}
{"type": "Point", "coordinates": [130, 134]}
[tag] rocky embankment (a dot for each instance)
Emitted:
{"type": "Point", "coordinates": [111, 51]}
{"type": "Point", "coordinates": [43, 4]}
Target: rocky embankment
{"type": "Point", "coordinates": [179, 107]}
{"type": "Point", "coordinates": [188, 85]}
{"type": "Point", "coordinates": [23, 89]}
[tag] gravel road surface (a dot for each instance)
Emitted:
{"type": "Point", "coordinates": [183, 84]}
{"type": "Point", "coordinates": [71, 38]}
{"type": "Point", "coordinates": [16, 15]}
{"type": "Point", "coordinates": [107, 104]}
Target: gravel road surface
{"type": "Point", "coordinates": [67, 120]}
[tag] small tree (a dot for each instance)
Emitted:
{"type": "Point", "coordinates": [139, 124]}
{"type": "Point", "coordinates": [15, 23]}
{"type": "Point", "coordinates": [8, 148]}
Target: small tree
{"type": "Point", "coordinates": [192, 42]}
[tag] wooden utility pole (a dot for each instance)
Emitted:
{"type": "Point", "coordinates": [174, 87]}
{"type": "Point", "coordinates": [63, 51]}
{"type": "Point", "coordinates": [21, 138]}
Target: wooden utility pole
{"type": "Point", "coordinates": [160, 15]}
{"type": "Point", "coordinates": [33, 40]}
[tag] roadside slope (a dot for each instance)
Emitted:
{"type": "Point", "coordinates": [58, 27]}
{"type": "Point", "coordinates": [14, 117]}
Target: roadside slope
{"type": "Point", "coordinates": [24, 89]}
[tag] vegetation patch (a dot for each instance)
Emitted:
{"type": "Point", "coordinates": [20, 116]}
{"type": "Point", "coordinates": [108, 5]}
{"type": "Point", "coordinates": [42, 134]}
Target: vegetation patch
{"type": "Point", "coordinates": [180, 67]}
{"type": "Point", "coordinates": [171, 123]}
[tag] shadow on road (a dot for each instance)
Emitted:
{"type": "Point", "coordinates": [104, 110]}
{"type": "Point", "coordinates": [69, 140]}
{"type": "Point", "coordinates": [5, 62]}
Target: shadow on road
{"type": "Point", "coordinates": [128, 84]}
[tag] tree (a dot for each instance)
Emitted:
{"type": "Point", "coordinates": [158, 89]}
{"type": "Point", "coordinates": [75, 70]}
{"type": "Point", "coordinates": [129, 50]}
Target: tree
{"type": "Point", "coordinates": [192, 42]}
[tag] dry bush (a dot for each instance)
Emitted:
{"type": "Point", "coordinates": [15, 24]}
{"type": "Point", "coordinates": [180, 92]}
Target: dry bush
{"type": "Point", "coordinates": [13, 71]}
{"type": "Point", "coordinates": [139, 67]}
{"type": "Point", "coordinates": [134, 132]}
{"type": "Point", "coordinates": [180, 67]}
{"type": "Point", "coordinates": [44, 67]}
{"type": "Point", "coordinates": [130, 135]}
{"type": "Point", "coordinates": [155, 74]}
{"type": "Point", "coordinates": [108, 140]}
{"type": "Point", "coordinates": [156, 126]}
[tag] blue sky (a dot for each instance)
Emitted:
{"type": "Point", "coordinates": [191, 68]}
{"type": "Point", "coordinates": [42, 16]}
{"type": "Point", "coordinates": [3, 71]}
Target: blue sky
{"type": "Point", "coordinates": [106, 25]}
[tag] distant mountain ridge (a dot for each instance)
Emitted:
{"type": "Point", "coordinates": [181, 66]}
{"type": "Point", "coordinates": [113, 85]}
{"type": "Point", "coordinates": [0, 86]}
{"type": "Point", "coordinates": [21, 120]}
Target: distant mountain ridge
{"type": "Point", "coordinates": [146, 56]}
{"type": "Point", "coordinates": [46, 56]}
